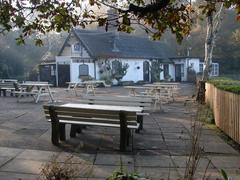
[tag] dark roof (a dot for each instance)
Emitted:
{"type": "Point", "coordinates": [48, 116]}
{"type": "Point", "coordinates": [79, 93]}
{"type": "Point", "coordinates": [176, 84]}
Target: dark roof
{"type": "Point", "coordinates": [121, 45]}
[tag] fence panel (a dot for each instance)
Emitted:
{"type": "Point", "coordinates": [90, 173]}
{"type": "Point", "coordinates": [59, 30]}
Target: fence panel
{"type": "Point", "coordinates": [226, 110]}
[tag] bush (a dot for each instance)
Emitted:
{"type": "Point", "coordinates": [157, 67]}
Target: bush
{"type": "Point", "coordinates": [126, 83]}
{"type": "Point", "coordinates": [122, 175]}
{"type": "Point", "coordinates": [67, 170]}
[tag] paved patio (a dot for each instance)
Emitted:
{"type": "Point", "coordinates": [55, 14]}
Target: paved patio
{"type": "Point", "coordinates": [160, 150]}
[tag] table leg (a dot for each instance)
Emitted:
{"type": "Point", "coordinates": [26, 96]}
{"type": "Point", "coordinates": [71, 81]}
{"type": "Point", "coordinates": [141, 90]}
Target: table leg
{"type": "Point", "coordinates": [50, 94]}
{"type": "Point", "coordinates": [39, 94]}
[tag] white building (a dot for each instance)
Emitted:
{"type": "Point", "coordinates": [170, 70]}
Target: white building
{"type": "Point", "coordinates": [97, 54]}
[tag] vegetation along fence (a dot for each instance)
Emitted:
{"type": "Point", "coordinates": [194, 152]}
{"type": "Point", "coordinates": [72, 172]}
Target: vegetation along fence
{"type": "Point", "coordinates": [226, 109]}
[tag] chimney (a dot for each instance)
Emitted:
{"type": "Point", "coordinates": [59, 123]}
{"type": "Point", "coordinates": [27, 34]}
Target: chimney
{"type": "Point", "coordinates": [112, 20]}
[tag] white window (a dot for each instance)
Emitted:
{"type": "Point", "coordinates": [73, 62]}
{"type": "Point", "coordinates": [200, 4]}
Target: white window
{"type": "Point", "coordinates": [53, 72]}
{"type": "Point", "coordinates": [76, 47]}
{"type": "Point", "coordinates": [215, 69]}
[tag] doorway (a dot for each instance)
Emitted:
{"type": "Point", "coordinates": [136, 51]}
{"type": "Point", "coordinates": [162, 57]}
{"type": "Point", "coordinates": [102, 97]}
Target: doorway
{"type": "Point", "coordinates": [63, 74]}
{"type": "Point", "coordinates": [178, 73]}
{"type": "Point", "coordinates": [146, 71]}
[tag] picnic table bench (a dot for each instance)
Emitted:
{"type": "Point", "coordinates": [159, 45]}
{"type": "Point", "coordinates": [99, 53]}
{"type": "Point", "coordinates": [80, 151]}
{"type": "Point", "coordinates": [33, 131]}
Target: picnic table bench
{"type": "Point", "coordinates": [7, 85]}
{"type": "Point", "coordinates": [35, 89]}
{"type": "Point", "coordinates": [89, 85]}
{"type": "Point", "coordinates": [124, 118]}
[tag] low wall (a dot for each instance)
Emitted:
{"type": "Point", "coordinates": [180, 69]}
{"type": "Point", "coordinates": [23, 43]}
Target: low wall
{"type": "Point", "coordinates": [226, 109]}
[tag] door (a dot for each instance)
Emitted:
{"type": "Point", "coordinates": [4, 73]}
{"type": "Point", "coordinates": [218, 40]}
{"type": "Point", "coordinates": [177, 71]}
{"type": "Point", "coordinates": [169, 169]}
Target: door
{"type": "Point", "coordinates": [63, 74]}
{"type": "Point", "coordinates": [146, 71]}
{"type": "Point", "coordinates": [178, 72]}
{"type": "Point", "coordinates": [48, 73]}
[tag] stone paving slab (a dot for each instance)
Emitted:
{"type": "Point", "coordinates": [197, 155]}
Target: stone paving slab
{"type": "Point", "coordinates": [23, 166]}
{"type": "Point", "coordinates": [161, 147]}
{"type": "Point", "coordinates": [17, 176]}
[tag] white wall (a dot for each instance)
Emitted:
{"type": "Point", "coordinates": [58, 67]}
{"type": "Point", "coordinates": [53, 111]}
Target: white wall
{"type": "Point", "coordinates": [195, 64]}
{"type": "Point", "coordinates": [133, 73]}
{"type": "Point", "coordinates": [74, 71]}
{"type": "Point", "coordinates": [187, 62]}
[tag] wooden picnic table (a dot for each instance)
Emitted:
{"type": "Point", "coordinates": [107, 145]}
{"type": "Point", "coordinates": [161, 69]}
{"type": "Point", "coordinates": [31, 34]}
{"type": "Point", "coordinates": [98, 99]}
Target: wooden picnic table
{"type": "Point", "coordinates": [132, 89]}
{"type": "Point", "coordinates": [35, 89]}
{"type": "Point", "coordinates": [90, 85]}
{"type": "Point", "coordinates": [169, 90]}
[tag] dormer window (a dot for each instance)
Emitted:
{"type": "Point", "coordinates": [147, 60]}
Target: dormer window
{"type": "Point", "coordinates": [76, 47]}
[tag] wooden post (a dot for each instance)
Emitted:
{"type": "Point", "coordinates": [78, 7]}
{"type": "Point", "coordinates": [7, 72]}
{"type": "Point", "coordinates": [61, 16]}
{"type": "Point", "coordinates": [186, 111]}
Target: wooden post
{"type": "Point", "coordinates": [123, 130]}
{"type": "Point", "coordinates": [62, 131]}
{"type": "Point", "coordinates": [55, 125]}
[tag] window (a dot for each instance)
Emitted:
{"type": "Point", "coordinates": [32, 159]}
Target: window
{"type": "Point", "coordinates": [166, 71]}
{"type": "Point", "coordinates": [215, 69]}
{"type": "Point", "coordinates": [76, 47]}
{"type": "Point", "coordinates": [200, 67]}
{"type": "Point", "coordinates": [83, 70]}
{"type": "Point", "coordinates": [53, 72]}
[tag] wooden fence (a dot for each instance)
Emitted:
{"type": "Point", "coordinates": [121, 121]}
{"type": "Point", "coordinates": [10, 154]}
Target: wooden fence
{"type": "Point", "coordinates": [226, 109]}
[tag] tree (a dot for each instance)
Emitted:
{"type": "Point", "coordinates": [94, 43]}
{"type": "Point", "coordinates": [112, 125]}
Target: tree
{"type": "Point", "coordinates": [153, 16]}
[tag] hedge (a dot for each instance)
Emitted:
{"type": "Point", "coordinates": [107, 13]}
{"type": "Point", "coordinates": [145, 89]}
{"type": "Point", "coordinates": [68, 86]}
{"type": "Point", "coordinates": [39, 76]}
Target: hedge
{"type": "Point", "coordinates": [226, 84]}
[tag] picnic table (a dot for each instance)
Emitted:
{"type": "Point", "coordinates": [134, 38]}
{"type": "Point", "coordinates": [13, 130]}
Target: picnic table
{"type": "Point", "coordinates": [90, 85]}
{"type": "Point", "coordinates": [35, 89]}
{"type": "Point", "coordinates": [132, 89]}
{"type": "Point", "coordinates": [167, 90]}
{"type": "Point", "coordinates": [123, 117]}
{"type": "Point", "coordinates": [7, 85]}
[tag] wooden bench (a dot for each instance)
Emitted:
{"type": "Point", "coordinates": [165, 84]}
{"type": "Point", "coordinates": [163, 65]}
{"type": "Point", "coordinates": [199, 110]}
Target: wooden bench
{"type": "Point", "coordinates": [145, 102]}
{"type": "Point", "coordinates": [59, 116]}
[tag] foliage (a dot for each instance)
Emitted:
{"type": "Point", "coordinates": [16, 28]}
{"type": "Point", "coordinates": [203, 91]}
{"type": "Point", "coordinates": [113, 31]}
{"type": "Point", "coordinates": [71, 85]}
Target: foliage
{"type": "Point", "coordinates": [119, 71]}
{"type": "Point", "coordinates": [154, 17]}
{"type": "Point", "coordinates": [20, 60]}
{"type": "Point", "coordinates": [60, 171]}
{"type": "Point", "coordinates": [86, 78]}
{"type": "Point", "coordinates": [191, 75]}
{"type": "Point", "coordinates": [121, 175]}
{"type": "Point", "coordinates": [156, 70]}
{"type": "Point", "coordinates": [226, 85]}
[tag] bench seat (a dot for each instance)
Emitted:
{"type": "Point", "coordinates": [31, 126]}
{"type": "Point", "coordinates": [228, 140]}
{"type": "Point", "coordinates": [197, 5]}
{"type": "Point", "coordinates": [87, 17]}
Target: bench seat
{"type": "Point", "coordinates": [79, 117]}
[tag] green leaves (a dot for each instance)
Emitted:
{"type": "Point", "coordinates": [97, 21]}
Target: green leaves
{"type": "Point", "coordinates": [154, 16]}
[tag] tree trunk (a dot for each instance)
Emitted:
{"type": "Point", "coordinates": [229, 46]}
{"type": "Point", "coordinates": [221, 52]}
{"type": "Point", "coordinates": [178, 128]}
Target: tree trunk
{"type": "Point", "coordinates": [213, 25]}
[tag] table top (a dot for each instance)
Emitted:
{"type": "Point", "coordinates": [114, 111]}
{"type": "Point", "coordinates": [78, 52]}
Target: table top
{"type": "Point", "coordinates": [36, 84]}
{"type": "Point", "coordinates": [104, 107]}
{"type": "Point", "coordinates": [166, 83]}
{"type": "Point", "coordinates": [160, 85]}
{"type": "Point", "coordinates": [136, 87]}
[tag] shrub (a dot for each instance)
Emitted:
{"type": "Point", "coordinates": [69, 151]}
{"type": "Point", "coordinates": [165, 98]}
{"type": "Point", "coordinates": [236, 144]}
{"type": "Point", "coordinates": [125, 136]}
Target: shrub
{"type": "Point", "coordinates": [67, 170]}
